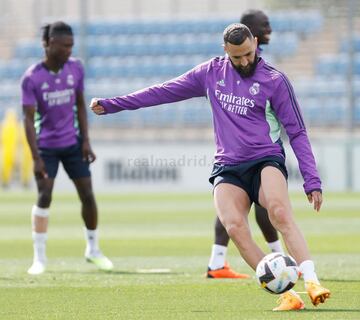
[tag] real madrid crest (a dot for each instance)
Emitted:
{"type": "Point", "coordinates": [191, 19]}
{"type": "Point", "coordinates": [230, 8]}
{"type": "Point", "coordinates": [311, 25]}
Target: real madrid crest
{"type": "Point", "coordinates": [70, 80]}
{"type": "Point", "coordinates": [254, 89]}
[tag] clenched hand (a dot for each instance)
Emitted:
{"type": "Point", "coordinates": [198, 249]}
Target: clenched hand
{"type": "Point", "coordinates": [95, 107]}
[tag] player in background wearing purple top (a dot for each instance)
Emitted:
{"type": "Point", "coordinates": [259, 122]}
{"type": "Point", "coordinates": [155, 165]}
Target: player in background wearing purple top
{"type": "Point", "coordinates": [250, 101]}
{"type": "Point", "coordinates": [258, 23]}
{"type": "Point", "coordinates": [57, 131]}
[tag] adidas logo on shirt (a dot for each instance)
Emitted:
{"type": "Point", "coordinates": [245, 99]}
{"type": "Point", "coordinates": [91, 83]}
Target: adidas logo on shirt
{"type": "Point", "coordinates": [44, 86]}
{"type": "Point", "coordinates": [221, 83]}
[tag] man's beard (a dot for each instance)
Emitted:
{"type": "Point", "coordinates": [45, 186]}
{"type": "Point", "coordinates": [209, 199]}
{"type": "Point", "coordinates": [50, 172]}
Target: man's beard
{"type": "Point", "coordinates": [249, 70]}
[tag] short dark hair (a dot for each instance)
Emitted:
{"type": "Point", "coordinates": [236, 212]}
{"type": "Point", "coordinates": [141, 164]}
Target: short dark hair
{"type": "Point", "coordinates": [55, 29]}
{"type": "Point", "coordinates": [251, 16]}
{"type": "Point", "coordinates": [236, 33]}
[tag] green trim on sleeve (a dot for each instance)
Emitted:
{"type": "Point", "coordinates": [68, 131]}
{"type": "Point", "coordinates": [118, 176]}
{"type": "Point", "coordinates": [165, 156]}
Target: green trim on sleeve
{"type": "Point", "coordinates": [273, 122]}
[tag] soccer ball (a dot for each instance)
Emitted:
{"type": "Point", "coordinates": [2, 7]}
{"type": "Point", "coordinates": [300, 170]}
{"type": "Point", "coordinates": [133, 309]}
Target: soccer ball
{"type": "Point", "coordinates": [277, 272]}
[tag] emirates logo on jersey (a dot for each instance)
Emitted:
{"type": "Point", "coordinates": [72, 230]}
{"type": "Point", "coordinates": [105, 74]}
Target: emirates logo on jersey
{"type": "Point", "coordinates": [58, 97]}
{"type": "Point", "coordinates": [254, 89]}
{"type": "Point", "coordinates": [233, 99]}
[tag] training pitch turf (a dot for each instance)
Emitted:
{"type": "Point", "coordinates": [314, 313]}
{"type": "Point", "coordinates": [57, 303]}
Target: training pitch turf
{"type": "Point", "coordinates": [160, 245]}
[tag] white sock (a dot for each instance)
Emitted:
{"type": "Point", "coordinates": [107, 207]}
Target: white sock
{"type": "Point", "coordinates": [92, 243]}
{"type": "Point", "coordinates": [218, 255]}
{"type": "Point", "coordinates": [276, 246]}
{"type": "Point", "coordinates": [39, 246]}
{"type": "Point", "coordinates": [307, 269]}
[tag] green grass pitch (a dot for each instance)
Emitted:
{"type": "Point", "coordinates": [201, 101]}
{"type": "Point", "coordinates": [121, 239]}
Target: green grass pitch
{"type": "Point", "coordinates": [174, 233]}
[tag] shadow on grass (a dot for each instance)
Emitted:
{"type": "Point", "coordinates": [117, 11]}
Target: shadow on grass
{"type": "Point", "coordinates": [341, 280]}
{"type": "Point", "coordinates": [147, 272]}
{"type": "Point", "coordinates": [318, 311]}
{"type": "Point", "coordinates": [113, 272]}
{"type": "Point", "coordinates": [330, 310]}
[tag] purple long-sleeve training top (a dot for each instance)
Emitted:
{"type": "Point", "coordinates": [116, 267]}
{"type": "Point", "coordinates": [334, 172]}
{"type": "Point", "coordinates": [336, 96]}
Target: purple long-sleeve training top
{"type": "Point", "coordinates": [247, 112]}
{"type": "Point", "coordinates": [54, 96]}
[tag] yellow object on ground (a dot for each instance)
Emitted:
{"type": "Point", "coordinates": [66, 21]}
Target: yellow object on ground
{"type": "Point", "coordinates": [9, 136]}
{"type": "Point", "coordinates": [25, 159]}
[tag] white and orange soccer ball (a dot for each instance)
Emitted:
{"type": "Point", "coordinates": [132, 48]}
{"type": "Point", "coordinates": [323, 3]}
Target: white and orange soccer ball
{"type": "Point", "coordinates": [277, 273]}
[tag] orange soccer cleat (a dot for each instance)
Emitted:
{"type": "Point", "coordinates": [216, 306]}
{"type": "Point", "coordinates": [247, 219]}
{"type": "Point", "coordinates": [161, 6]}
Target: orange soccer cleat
{"type": "Point", "coordinates": [225, 273]}
{"type": "Point", "coordinates": [290, 300]}
{"type": "Point", "coordinates": [316, 292]}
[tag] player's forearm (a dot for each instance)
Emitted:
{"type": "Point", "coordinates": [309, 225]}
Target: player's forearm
{"type": "Point", "coordinates": [31, 138]}
{"type": "Point", "coordinates": [303, 152]}
{"type": "Point", "coordinates": [140, 99]}
{"type": "Point", "coordinates": [168, 92]}
{"type": "Point", "coordinates": [83, 124]}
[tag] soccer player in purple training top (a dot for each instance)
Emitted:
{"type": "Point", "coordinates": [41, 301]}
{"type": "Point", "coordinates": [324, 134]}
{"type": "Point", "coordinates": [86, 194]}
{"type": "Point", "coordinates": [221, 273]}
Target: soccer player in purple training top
{"type": "Point", "coordinates": [258, 23]}
{"type": "Point", "coordinates": [56, 130]}
{"type": "Point", "coordinates": [250, 100]}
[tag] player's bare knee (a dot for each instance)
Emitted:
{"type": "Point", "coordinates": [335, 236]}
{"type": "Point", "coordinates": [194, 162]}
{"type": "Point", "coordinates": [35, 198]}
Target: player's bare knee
{"type": "Point", "coordinates": [234, 228]}
{"type": "Point", "coordinates": [240, 236]}
{"type": "Point", "coordinates": [279, 214]}
{"type": "Point", "coordinates": [44, 199]}
{"type": "Point", "coordinates": [231, 229]}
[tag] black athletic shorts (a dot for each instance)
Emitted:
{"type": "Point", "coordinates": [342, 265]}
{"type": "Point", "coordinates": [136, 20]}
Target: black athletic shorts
{"type": "Point", "coordinates": [70, 157]}
{"type": "Point", "coordinates": [247, 175]}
